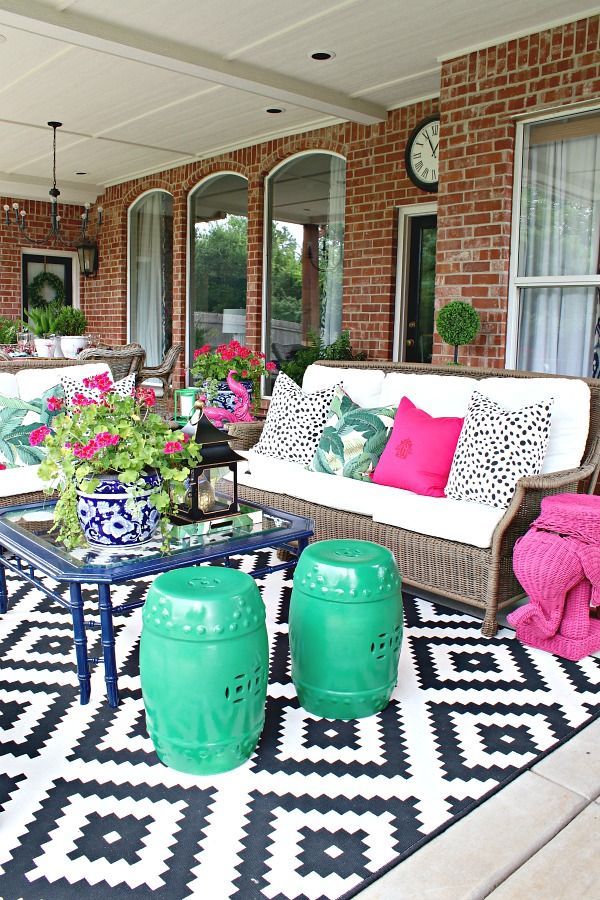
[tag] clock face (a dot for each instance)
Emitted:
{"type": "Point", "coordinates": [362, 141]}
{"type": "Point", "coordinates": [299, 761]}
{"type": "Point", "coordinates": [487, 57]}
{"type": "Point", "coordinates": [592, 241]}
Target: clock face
{"type": "Point", "coordinates": [422, 154]}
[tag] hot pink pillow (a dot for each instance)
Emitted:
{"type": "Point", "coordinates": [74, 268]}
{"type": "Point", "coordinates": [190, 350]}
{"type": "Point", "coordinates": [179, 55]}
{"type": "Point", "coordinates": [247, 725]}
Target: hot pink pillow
{"type": "Point", "coordinates": [418, 455]}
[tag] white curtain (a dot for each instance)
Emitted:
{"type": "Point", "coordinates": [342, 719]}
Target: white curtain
{"type": "Point", "coordinates": [147, 300]}
{"type": "Point", "coordinates": [560, 235]}
{"type": "Point", "coordinates": [332, 318]}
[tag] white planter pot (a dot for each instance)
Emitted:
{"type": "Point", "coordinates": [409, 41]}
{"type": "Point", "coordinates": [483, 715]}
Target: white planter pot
{"type": "Point", "coordinates": [45, 346]}
{"type": "Point", "coordinates": [72, 345]}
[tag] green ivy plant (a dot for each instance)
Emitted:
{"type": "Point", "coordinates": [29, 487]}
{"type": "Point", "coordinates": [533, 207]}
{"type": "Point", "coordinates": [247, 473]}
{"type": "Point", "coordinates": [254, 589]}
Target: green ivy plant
{"type": "Point", "coordinates": [457, 324]}
{"type": "Point", "coordinates": [114, 434]}
{"type": "Point", "coordinates": [341, 348]}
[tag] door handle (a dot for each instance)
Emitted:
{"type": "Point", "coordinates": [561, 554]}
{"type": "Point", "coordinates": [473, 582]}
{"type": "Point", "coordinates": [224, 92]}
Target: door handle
{"type": "Point", "coordinates": [410, 343]}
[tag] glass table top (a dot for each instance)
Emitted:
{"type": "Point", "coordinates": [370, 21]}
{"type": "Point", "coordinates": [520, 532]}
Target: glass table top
{"type": "Point", "coordinates": [35, 522]}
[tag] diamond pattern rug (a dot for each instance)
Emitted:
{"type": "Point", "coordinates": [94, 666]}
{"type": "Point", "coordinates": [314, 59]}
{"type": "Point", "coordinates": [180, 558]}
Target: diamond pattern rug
{"type": "Point", "coordinates": [320, 810]}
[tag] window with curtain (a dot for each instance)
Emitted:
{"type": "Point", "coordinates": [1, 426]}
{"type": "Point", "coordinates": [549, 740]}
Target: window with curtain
{"type": "Point", "coordinates": [558, 280]}
{"type": "Point", "coordinates": [305, 253]}
{"type": "Point", "coordinates": [219, 260]}
{"type": "Point", "coordinates": [151, 274]}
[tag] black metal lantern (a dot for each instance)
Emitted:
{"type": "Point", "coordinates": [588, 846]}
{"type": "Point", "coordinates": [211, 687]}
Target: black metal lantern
{"type": "Point", "coordinates": [203, 501]}
{"type": "Point", "coordinates": [87, 251]}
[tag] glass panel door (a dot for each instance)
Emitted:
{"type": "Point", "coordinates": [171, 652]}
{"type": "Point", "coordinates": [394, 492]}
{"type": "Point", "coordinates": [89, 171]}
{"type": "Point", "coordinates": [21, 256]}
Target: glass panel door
{"type": "Point", "coordinates": [34, 265]}
{"type": "Point", "coordinates": [421, 289]}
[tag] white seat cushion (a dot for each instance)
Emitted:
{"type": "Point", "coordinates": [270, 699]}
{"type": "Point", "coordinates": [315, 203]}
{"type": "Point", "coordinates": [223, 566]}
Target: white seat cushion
{"type": "Point", "coordinates": [9, 386]}
{"type": "Point", "coordinates": [363, 386]}
{"type": "Point", "coordinates": [454, 520]}
{"type": "Point", "coordinates": [20, 480]}
{"type": "Point", "coordinates": [282, 477]}
{"type": "Point", "coordinates": [33, 383]}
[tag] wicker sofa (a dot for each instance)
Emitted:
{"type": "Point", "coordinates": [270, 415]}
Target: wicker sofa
{"type": "Point", "coordinates": [479, 576]}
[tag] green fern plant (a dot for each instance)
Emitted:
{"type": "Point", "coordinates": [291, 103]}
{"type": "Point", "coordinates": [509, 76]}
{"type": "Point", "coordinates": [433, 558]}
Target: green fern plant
{"type": "Point", "coordinates": [43, 319]}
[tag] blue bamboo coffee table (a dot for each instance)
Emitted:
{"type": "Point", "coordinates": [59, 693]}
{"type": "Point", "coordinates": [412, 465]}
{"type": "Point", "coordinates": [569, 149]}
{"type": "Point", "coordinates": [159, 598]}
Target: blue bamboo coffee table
{"type": "Point", "coordinates": [30, 551]}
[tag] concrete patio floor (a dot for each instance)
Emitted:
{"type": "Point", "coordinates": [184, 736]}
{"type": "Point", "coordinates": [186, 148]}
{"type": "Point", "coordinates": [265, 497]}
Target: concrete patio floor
{"type": "Point", "coordinates": [536, 839]}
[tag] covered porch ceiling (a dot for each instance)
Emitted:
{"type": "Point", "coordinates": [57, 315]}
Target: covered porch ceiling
{"type": "Point", "coordinates": [145, 85]}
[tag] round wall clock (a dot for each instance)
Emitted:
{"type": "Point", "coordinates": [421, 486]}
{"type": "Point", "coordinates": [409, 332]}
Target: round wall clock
{"type": "Point", "coordinates": [422, 154]}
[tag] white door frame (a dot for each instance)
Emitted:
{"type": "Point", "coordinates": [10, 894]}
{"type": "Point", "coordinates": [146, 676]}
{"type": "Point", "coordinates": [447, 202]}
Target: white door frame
{"type": "Point", "coordinates": [405, 214]}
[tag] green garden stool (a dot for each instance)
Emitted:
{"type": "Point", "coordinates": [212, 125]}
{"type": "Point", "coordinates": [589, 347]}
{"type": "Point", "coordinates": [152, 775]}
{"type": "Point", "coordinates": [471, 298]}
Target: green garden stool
{"type": "Point", "coordinates": [204, 663]}
{"type": "Point", "coordinates": [345, 628]}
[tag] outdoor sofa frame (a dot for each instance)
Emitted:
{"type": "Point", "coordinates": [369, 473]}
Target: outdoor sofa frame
{"type": "Point", "coordinates": [483, 578]}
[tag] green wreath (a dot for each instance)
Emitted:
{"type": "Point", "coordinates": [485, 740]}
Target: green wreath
{"type": "Point", "coordinates": [37, 285]}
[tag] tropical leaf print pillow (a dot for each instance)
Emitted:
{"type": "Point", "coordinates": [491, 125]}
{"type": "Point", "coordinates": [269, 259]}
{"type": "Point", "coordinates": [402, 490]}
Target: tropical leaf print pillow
{"type": "Point", "coordinates": [353, 438]}
{"type": "Point", "coordinates": [18, 418]}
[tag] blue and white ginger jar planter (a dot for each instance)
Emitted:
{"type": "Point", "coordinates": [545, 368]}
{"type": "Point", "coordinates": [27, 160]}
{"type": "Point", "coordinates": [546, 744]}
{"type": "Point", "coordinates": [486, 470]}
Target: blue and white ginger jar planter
{"type": "Point", "coordinates": [118, 514]}
{"type": "Point", "coordinates": [225, 397]}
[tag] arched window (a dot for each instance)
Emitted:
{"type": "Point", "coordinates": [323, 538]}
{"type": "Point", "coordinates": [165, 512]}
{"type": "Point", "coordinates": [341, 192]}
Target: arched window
{"type": "Point", "coordinates": [218, 260]}
{"type": "Point", "coordinates": [151, 274]}
{"type": "Point", "coordinates": [305, 251]}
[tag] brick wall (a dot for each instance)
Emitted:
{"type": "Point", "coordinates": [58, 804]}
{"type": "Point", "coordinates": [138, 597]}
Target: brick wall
{"type": "Point", "coordinates": [481, 94]}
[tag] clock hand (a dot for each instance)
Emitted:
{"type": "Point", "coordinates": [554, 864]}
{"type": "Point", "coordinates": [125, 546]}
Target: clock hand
{"type": "Point", "coordinates": [429, 142]}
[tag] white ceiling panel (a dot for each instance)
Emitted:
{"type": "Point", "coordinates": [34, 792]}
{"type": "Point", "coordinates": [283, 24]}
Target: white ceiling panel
{"type": "Point", "coordinates": [225, 114]}
{"type": "Point", "coordinates": [97, 92]}
{"type": "Point", "coordinates": [220, 26]}
{"type": "Point", "coordinates": [96, 155]}
{"type": "Point", "coordinates": [169, 80]}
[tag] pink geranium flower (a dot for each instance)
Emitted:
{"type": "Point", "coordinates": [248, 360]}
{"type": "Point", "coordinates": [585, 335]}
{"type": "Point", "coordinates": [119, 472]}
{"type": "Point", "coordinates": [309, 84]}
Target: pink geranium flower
{"type": "Point", "coordinates": [173, 447]}
{"type": "Point", "coordinates": [146, 396]}
{"type": "Point", "coordinates": [106, 439]}
{"type": "Point", "coordinates": [39, 435]}
{"type": "Point", "coordinates": [271, 367]}
{"type": "Point", "coordinates": [102, 382]}
{"type": "Point", "coordinates": [54, 403]}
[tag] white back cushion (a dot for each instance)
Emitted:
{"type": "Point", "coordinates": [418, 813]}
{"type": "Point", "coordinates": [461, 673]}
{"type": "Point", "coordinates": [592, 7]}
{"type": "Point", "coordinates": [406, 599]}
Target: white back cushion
{"type": "Point", "coordinates": [8, 385]}
{"type": "Point", "coordinates": [438, 395]}
{"type": "Point", "coordinates": [362, 385]}
{"type": "Point", "coordinates": [33, 383]}
{"type": "Point", "coordinates": [570, 420]}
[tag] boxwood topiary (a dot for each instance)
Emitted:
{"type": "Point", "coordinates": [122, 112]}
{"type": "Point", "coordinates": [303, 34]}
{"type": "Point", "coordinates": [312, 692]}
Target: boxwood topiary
{"type": "Point", "coordinates": [457, 323]}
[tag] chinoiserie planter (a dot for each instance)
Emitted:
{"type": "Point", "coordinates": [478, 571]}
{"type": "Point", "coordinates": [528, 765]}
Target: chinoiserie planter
{"type": "Point", "coordinates": [72, 345]}
{"type": "Point", "coordinates": [226, 398]}
{"type": "Point", "coordinates": [116, 514]}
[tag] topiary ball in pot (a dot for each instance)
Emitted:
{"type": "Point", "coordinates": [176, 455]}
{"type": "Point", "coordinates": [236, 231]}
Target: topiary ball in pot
{"type": "Point", "coordinates": [457, 323]}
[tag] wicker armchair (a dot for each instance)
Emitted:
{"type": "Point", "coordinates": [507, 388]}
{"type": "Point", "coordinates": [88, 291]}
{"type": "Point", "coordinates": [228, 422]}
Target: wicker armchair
{"type": "Point", "coordinates": [122, 361]}
{"type": "Point", "coordinates": [164, 370]}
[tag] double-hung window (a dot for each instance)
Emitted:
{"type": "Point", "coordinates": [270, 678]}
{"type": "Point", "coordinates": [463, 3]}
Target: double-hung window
{"type": "Point", "coordinates": [555, 310]}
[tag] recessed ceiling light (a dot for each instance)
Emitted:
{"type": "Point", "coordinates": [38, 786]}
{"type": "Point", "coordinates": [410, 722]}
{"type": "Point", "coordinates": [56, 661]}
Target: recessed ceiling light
{"type": "Point", "coordinates": [81, 173]}
{"type": "Point", "coordinates": [274, 110]}
{"type": "Point", "coordinates": [322, 55]}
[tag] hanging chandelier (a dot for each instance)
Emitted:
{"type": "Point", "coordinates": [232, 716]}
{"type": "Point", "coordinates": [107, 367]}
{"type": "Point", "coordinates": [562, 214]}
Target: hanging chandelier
{"type": "Point", "coordinates": [86, 246]}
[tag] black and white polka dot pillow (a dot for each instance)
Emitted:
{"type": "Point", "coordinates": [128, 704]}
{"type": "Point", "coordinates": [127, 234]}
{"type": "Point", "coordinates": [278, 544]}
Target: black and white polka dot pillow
{"type": "Point", "coordinates": [72, 386]}
{"type": "Point", "coordinates": [496, 447]}
{"type": "Point", "coordinates": [295, 421]}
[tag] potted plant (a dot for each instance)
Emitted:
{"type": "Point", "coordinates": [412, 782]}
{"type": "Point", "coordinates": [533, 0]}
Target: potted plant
{"type": "Point", "coordinates": [457, 324]}
{"type": "Point", "coordinates": [42, 321]}
{"type": "Point", "coordinates": [341, 348]}
{"type": "Point", "coordinates": [70, 326]}
{"type": "Point", "coordinates": [119, 467]}
{"type": "Point", "coordinates": [9, 328]}
{"type": "Point", "coordinates": [211, 367]}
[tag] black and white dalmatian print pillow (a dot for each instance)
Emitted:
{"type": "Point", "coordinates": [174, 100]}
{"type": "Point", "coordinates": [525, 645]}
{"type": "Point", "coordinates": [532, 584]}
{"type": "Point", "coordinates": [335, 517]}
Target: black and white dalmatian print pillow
{"type": "Point", "coordinates": [496, 447]}
{"type": "Point", "coordinates": [295, 421]}
{"type": "Point", "coordinates": [72, 386]}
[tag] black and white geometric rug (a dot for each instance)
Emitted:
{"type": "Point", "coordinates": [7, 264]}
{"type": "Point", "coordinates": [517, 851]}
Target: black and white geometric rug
{"type": "Point", "coordinates": [320, 810]}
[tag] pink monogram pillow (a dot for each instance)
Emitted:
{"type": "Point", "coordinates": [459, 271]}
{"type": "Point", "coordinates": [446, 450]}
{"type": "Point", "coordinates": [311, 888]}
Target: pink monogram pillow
{"type": "Point", "coordinates": [418, 455]}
